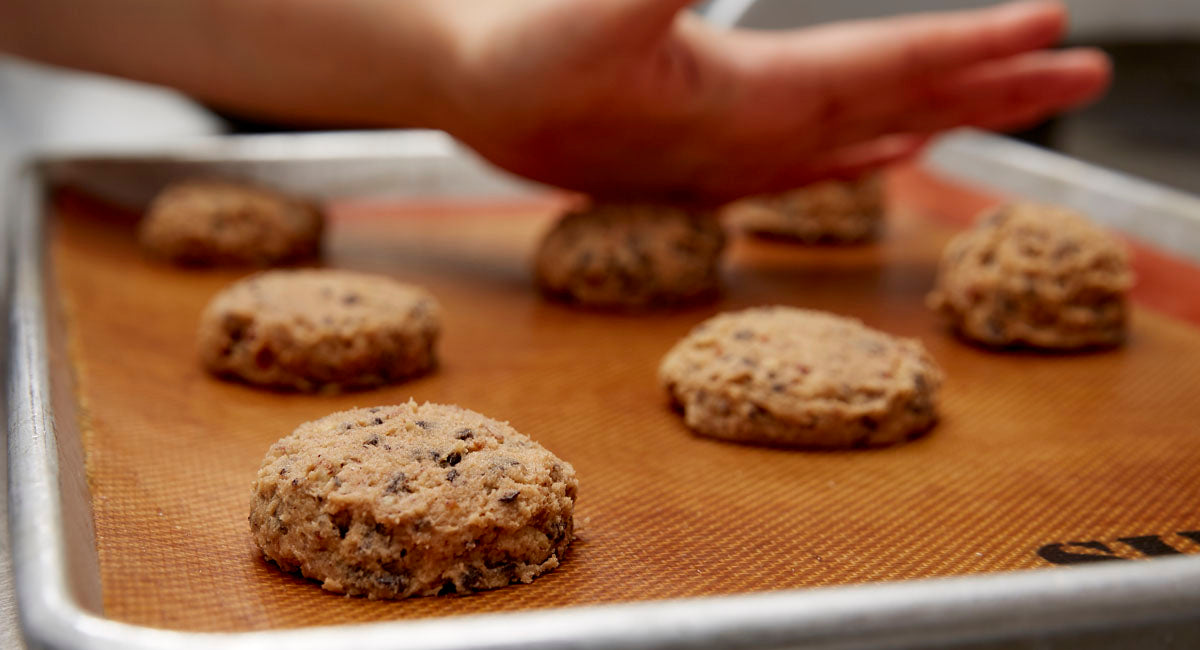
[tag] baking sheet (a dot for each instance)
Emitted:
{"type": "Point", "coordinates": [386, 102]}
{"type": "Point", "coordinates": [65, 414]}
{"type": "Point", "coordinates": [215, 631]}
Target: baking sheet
{"type": "Point", "coordinates": [1034, 450]}
{"type": "Point", "coordinates": [1148, 600]}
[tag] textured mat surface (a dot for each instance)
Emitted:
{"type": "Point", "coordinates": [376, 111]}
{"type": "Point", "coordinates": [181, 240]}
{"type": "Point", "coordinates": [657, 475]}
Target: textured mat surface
{"type": "Point", "coordinates": [1064, 455]}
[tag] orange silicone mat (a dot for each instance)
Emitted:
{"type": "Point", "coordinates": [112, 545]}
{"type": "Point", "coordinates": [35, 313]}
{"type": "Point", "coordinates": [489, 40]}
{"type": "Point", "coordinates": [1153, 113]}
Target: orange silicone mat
{"type": "Point", "coordinates": [1066, 454]}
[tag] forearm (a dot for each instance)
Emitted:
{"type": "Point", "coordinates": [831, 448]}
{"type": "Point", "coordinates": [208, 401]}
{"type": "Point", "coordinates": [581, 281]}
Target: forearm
{"type": "Point", "coordinates": [360, 62]}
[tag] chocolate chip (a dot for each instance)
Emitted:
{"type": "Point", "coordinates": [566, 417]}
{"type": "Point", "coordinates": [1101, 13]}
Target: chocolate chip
{"type": "Point", "coordinates": [556, 531]}
{"type": "Point", "coordinates": [424, 425]}
{"type": "Point", "coordinates": [236, 326]}
{"type": "Point", "coordinates": [350, 299]}
{"type": "Point", "coordinates": [264, 357]}
{"type": "Point", "coordinates": [995, 329]}
{"type": "Point", "coordinates": [451, 459]}
{"type": "Point", "coordinates": [464, 434]}
{"type": "Point", "coordinates": [451, 475]}
{"type": "Point", "coordinates": [778, 388]}
{"type": "Point", "coordinates": [347, 426]}
{"type": "Point", "coordinates": [341, 521]}
{"type": "Point", "coordinates": [399, 483]}
{"type": "Point", "coordinates": [295, 482]}
{"type": "Point", "coordinates": [283, 471]}
{"type": "Point", "coordinates": [506, 570]}
{"type": "Point", "coordinates": [394, 581]}
{"type": "Point", "coordinates": [471, 577]}
{"type": "Point", "coordinates": [447, 588]}
{"type": "Point", "coordinates": [378, 420]}
{"type": "Point", "coordinates": [509, 497]}
{"type": "Point", "coordinates": [1007, 304]}
{"type": "Point", "coordinates": [920, 383]}
{"type": "Point", "coordinates": [583, 261]}
{"type": "Point", "coordinates": [373, 440]}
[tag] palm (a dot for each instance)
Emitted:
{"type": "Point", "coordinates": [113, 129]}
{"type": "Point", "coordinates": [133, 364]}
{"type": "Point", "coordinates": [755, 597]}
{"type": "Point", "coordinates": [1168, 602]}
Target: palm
{"type": "Point", "coordinates": [627, 97]}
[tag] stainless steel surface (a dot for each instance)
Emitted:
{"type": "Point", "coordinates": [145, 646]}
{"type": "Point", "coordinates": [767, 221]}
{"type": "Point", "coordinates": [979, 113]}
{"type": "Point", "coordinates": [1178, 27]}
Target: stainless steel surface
{"type": "Point", "coordinates": [372, 164]}
{"type": "Point", "coordinates": [1049, 608]}
{"type": "Point", "coordinates": [1163, 217]}
{"type": "Point", "coordinates": [10, 636]}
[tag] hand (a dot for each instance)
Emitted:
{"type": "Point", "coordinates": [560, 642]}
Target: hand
{"type": "Point", "coordinates": [606, 96]}
{"type": "Point", "coordinates": [634, 97]}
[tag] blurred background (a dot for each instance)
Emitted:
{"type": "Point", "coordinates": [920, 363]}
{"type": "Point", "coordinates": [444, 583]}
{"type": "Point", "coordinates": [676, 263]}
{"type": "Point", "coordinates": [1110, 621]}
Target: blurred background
{"type": "Point", "coordinates": [1148, 125]}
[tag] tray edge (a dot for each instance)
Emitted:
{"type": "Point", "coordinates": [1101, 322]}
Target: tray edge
{"type": "Point", "coordinates": [943, 610]}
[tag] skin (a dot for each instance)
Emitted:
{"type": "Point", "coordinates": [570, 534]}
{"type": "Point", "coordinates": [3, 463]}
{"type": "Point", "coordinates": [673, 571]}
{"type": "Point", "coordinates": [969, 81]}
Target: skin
{"type": "Point", "coordinates": [613, 97]}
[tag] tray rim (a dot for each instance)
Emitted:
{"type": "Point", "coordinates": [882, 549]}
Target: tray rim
{"type": "Point", "coordinates": [1046, 603]}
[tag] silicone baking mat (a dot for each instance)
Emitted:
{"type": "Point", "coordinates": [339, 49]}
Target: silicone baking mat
{"type": "Point", "coordinates": [1039, 459]}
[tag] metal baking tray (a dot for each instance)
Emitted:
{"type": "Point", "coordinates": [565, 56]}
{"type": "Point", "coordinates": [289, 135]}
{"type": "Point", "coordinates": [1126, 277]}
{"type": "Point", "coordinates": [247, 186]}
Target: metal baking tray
{"type": "Point", "coordinates": [1103, 604]}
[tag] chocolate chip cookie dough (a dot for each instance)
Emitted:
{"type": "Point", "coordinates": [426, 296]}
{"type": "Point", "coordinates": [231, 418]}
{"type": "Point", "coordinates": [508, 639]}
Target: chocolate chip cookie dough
{"type": "Point", "coordinates": [1036, 276]}
{"type": "Point", "coordinates": [798, 378]}
{"type": "Point", "coordinates": [409, 500]}
{"type": "Point", "coordinates": [827, 212]}
{"type": "Point", "coordinates": [319, 329]}
{"type": "Point", "coordinates": [211, 222]}
{"type": "Point", "coordinates": [631, 256]}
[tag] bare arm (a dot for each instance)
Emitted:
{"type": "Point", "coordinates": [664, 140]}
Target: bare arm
{"type": "Point", "coordinates": [617, 96]}
{"type": "Point", "coordinates": [349, 62]}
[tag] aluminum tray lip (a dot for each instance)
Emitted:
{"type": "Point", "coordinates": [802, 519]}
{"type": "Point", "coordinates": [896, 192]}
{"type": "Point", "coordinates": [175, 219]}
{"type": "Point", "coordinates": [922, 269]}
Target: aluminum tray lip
{"type": "Point", "coordinates": [892, 614]}
{"type": "Point", "coordinates": [1111, 198]}
{"type": "Point", "coordinates": [290, 147]}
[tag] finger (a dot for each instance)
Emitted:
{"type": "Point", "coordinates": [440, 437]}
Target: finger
{"type": "Point", "coordinates": [1037, 83]}
{"type": "Point", "coordinates": [841, 62]}
{"type": "Point", "coordinates": [777, 175]}
{"type": "Point", "coordinates": [1032, 87]}
{"type": "Point", "coordinates": [855, 160]}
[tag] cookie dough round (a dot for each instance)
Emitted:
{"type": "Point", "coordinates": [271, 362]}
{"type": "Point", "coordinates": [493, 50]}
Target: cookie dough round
{"type": "Point", "coordinates": [319, 329]}
{"type": "Point", "coordinates": [631, 256]}
{"type": "Point", "coordinates": [1036, 276]}
{"type": "Point", "coordinates": [826, 212]}
{"type": "Point", "coordinates": [211, 222]}
{"type": "Point", "coordinates": [791, 377]}
{"type": "Point", "coordinates": [409, 500]}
